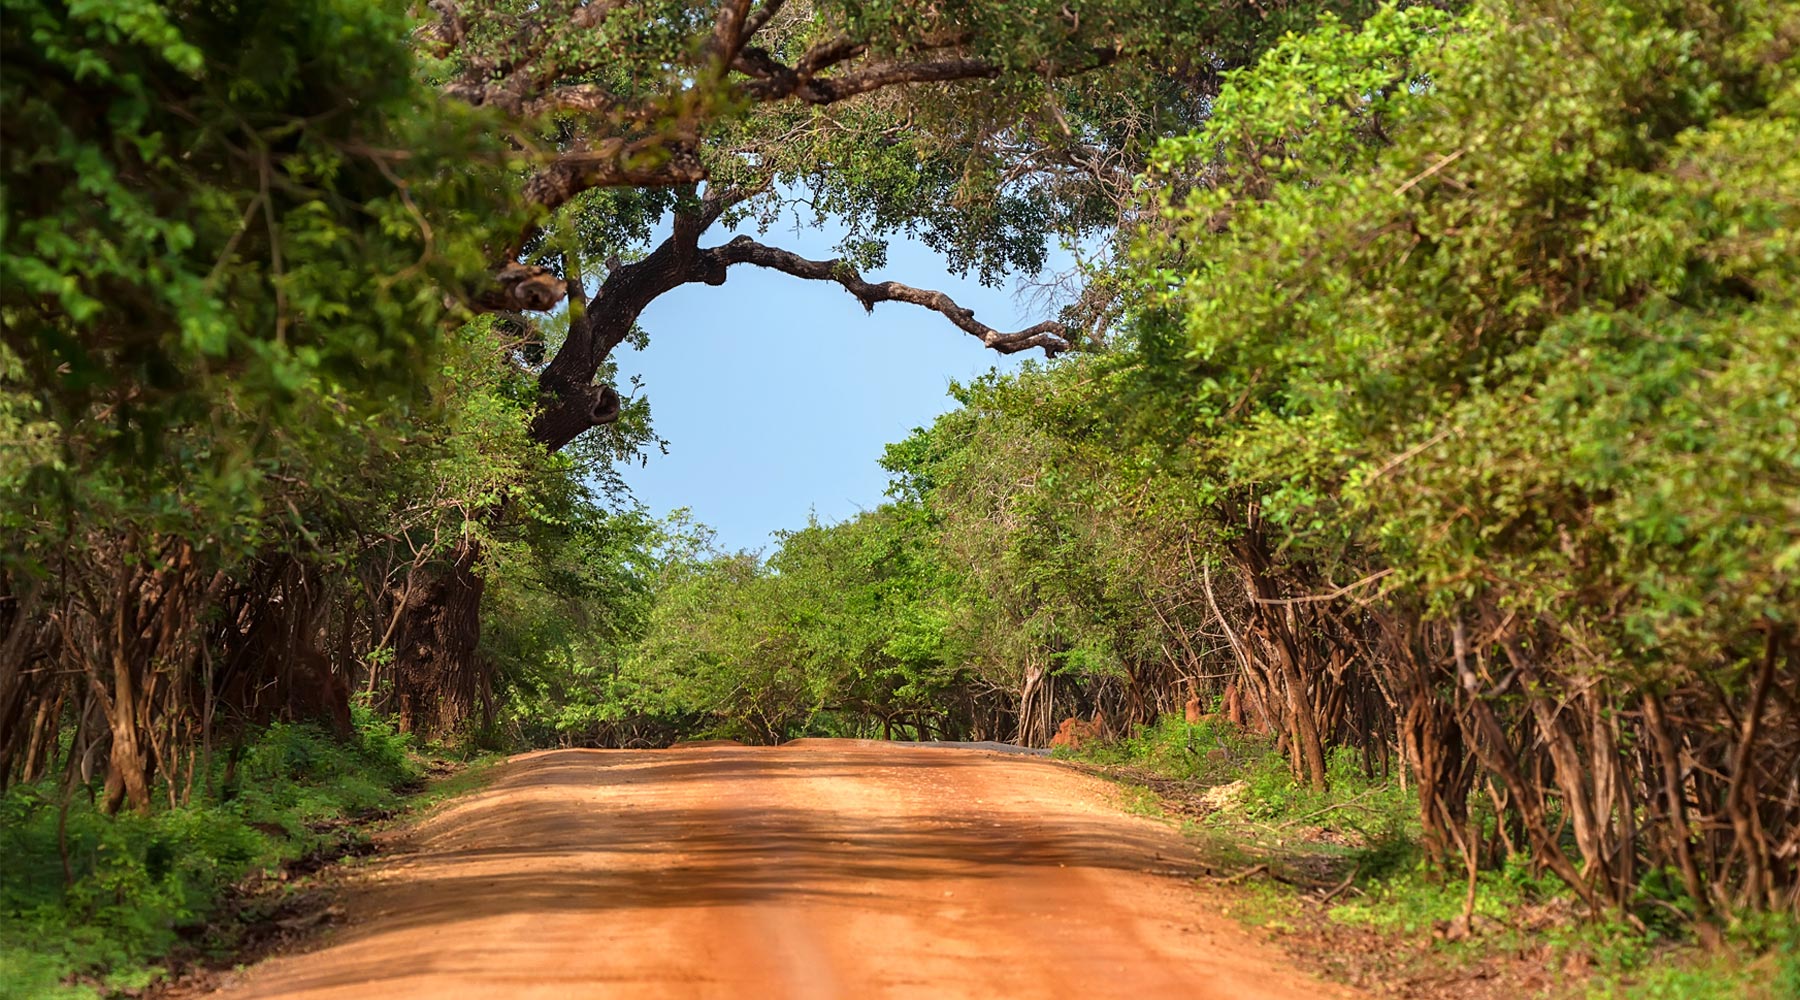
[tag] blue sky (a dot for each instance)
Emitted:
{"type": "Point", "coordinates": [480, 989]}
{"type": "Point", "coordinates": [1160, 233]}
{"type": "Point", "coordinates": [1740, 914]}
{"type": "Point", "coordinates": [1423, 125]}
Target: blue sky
{"type": "Point", "coordinates": [777, 395]}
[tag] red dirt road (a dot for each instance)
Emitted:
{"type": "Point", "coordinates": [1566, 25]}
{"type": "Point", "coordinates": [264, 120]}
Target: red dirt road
{"type": "Point", "coordinates": [821, 869]}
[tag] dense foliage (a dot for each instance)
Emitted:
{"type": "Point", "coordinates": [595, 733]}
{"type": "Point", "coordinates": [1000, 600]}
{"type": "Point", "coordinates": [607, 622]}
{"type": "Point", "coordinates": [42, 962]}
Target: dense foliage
{"type": "Point", "coordinates": [1512, 378]}
{"type": "Point", "coordinates": [105, 897]}
{"type": "Point", "coordinates": [1455, 426]}
{"type": "Point", "coordinates": [243, 401]}
{"type": "Point", "coordinates": [1435, 418]}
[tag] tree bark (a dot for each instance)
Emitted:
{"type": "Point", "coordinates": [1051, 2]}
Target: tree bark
{"type": "Point", "coordinates": [437, 670]}
{"type": "Point", "coordinates": [1296, 666]}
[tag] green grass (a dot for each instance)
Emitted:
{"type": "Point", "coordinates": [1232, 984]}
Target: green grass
{"type": "Point", "coordinates": [137, 885]}
{"type": "Point", "coordinates": [1759, 960]}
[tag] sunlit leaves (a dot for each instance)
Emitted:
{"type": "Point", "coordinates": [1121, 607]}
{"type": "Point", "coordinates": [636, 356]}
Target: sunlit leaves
{"type": "Point", "coordinates": [234, 249]}
{"type": "Point", "coordinates": [1512, 322]}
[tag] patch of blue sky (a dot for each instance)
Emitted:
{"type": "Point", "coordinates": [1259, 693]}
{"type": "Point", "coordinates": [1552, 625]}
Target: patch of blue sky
{"type": "Point", "coordinates": [777, 395]}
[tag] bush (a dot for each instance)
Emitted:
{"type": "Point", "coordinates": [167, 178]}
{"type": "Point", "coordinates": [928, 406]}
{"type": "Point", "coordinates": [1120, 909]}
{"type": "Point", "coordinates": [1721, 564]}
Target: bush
{"type": "Point", "coordinates": [101, 898]}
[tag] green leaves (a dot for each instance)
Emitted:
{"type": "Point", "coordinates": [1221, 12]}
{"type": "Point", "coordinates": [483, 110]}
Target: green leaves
{"type": "Point", "coordinates": [1477, 298]}
{"type": "Point", "coordinates": [232, 238]}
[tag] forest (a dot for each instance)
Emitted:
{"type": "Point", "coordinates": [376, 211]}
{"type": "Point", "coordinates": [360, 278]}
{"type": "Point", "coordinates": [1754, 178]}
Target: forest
{"type": "Point", "coordinates": [1423, 402]}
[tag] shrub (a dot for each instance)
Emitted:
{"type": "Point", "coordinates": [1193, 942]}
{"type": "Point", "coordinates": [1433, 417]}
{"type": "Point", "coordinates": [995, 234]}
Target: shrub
{"type": "Point", "coordinates": [102, 897]}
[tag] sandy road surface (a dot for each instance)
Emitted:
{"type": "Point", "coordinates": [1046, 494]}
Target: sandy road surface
{"type": "Point", "coordinates": [822, 869]}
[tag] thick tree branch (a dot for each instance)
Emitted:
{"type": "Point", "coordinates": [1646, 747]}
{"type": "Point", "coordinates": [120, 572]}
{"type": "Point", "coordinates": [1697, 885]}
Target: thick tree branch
{"type": "Point", "coordinates": [1049, 336]}
{"type": "Point", "coordinates": [827, 54]}
{"type": "Point", "coordinates": [654, 161]}
{"type": "Point", "coordinates": [569, 400]}
{"type": "Point", "coordinates": [730, 34]}
{"type": "Point", "coordinates": [838, 87]}
{"type": "Point", "coordinates": [761, 17]}
{"type": "Point", "coordinates": [572, 402]}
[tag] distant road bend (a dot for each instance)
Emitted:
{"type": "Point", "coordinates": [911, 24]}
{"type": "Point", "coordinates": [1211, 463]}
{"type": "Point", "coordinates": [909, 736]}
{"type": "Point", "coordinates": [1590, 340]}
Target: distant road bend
{"type": "Point", "coordinates": [820, 869]}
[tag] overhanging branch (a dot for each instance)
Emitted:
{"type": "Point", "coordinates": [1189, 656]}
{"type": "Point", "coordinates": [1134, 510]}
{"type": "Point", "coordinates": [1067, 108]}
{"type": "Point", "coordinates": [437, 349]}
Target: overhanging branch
{"type": "Point", "coordinates": [1049, 336]}
{"type": "Point", "coordinates": [572, 402]}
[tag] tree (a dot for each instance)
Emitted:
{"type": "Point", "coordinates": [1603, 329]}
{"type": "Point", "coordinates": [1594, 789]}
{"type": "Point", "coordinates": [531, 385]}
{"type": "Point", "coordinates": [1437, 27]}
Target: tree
{"type": "Point", "coordinates": [222, 289]}
{"type": "Point", "coordinates": [1479, 334]}
{"type": "Point", "coordinates": [781, 104]}
{"type": "Point", "coordinates": [973, 127]}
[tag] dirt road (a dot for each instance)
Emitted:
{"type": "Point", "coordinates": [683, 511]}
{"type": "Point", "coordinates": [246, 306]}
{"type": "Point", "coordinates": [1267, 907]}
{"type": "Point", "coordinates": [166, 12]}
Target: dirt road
{"type": "Point", "coordinates": [821, 869]}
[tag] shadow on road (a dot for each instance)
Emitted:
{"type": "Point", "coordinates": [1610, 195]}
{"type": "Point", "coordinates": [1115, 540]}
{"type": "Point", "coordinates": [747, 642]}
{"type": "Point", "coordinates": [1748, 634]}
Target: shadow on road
{"type": "Point", "coordinates": [598, 844]}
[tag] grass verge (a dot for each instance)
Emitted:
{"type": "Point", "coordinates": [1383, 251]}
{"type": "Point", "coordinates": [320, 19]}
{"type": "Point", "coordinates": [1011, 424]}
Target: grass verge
{"type": "Point", "coordinates": [1340, 880]}
{"type": "Point", "coordinates": [96, 906]}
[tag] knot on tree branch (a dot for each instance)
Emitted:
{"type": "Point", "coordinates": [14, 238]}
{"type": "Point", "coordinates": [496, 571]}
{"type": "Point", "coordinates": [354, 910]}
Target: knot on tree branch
{"type": "Point", "coordinates": [604, 405]}
{"type": "Point", "coordinates": [709, 270]}
{"type": "Point", "coordinates": [566, 414]}
{"type": "Point", "coordinates": [523, 288]}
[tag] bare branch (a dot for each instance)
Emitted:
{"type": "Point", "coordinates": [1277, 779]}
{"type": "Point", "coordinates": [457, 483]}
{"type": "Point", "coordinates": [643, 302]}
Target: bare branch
{"type": "Point", "coordinates": [1050, 336]}
{"type": "Point", "coordinates": [831, 89]}
{"type": "Point", "coordinates": [761, 17]}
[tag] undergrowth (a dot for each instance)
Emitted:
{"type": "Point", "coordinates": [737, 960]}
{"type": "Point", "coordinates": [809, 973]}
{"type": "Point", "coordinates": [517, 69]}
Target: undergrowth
{"type": "Point", "coordinates": [89, 903]}
{"type": "Point", "coordinates": [1350, 859]}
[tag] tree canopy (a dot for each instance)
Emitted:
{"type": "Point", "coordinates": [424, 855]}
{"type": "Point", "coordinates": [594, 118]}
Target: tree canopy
{"type": "Point", "coordinates": [1423, 404]}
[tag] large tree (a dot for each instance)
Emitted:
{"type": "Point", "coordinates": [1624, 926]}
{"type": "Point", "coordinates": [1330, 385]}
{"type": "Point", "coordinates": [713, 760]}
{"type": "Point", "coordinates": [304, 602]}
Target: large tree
{"type": "Point", "coordinates": [981, 128]}
{"type": "Point", "coordinates": [984, 129]}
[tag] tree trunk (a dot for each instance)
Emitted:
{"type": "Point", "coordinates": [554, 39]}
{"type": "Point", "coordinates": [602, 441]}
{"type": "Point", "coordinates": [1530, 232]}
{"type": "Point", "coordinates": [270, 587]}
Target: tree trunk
{"type": "Point", "coordinates": [1296, 667]}
{"type": "Point", "coordinates": [1432, 742]}
{"type": "Point", "coordinates": [437, 672]}
{"type": "Point", "coordinates": [128, 766]}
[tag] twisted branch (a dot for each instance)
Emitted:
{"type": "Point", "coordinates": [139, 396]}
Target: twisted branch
{"type": "Point", "coordinates": [1049, 336]}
